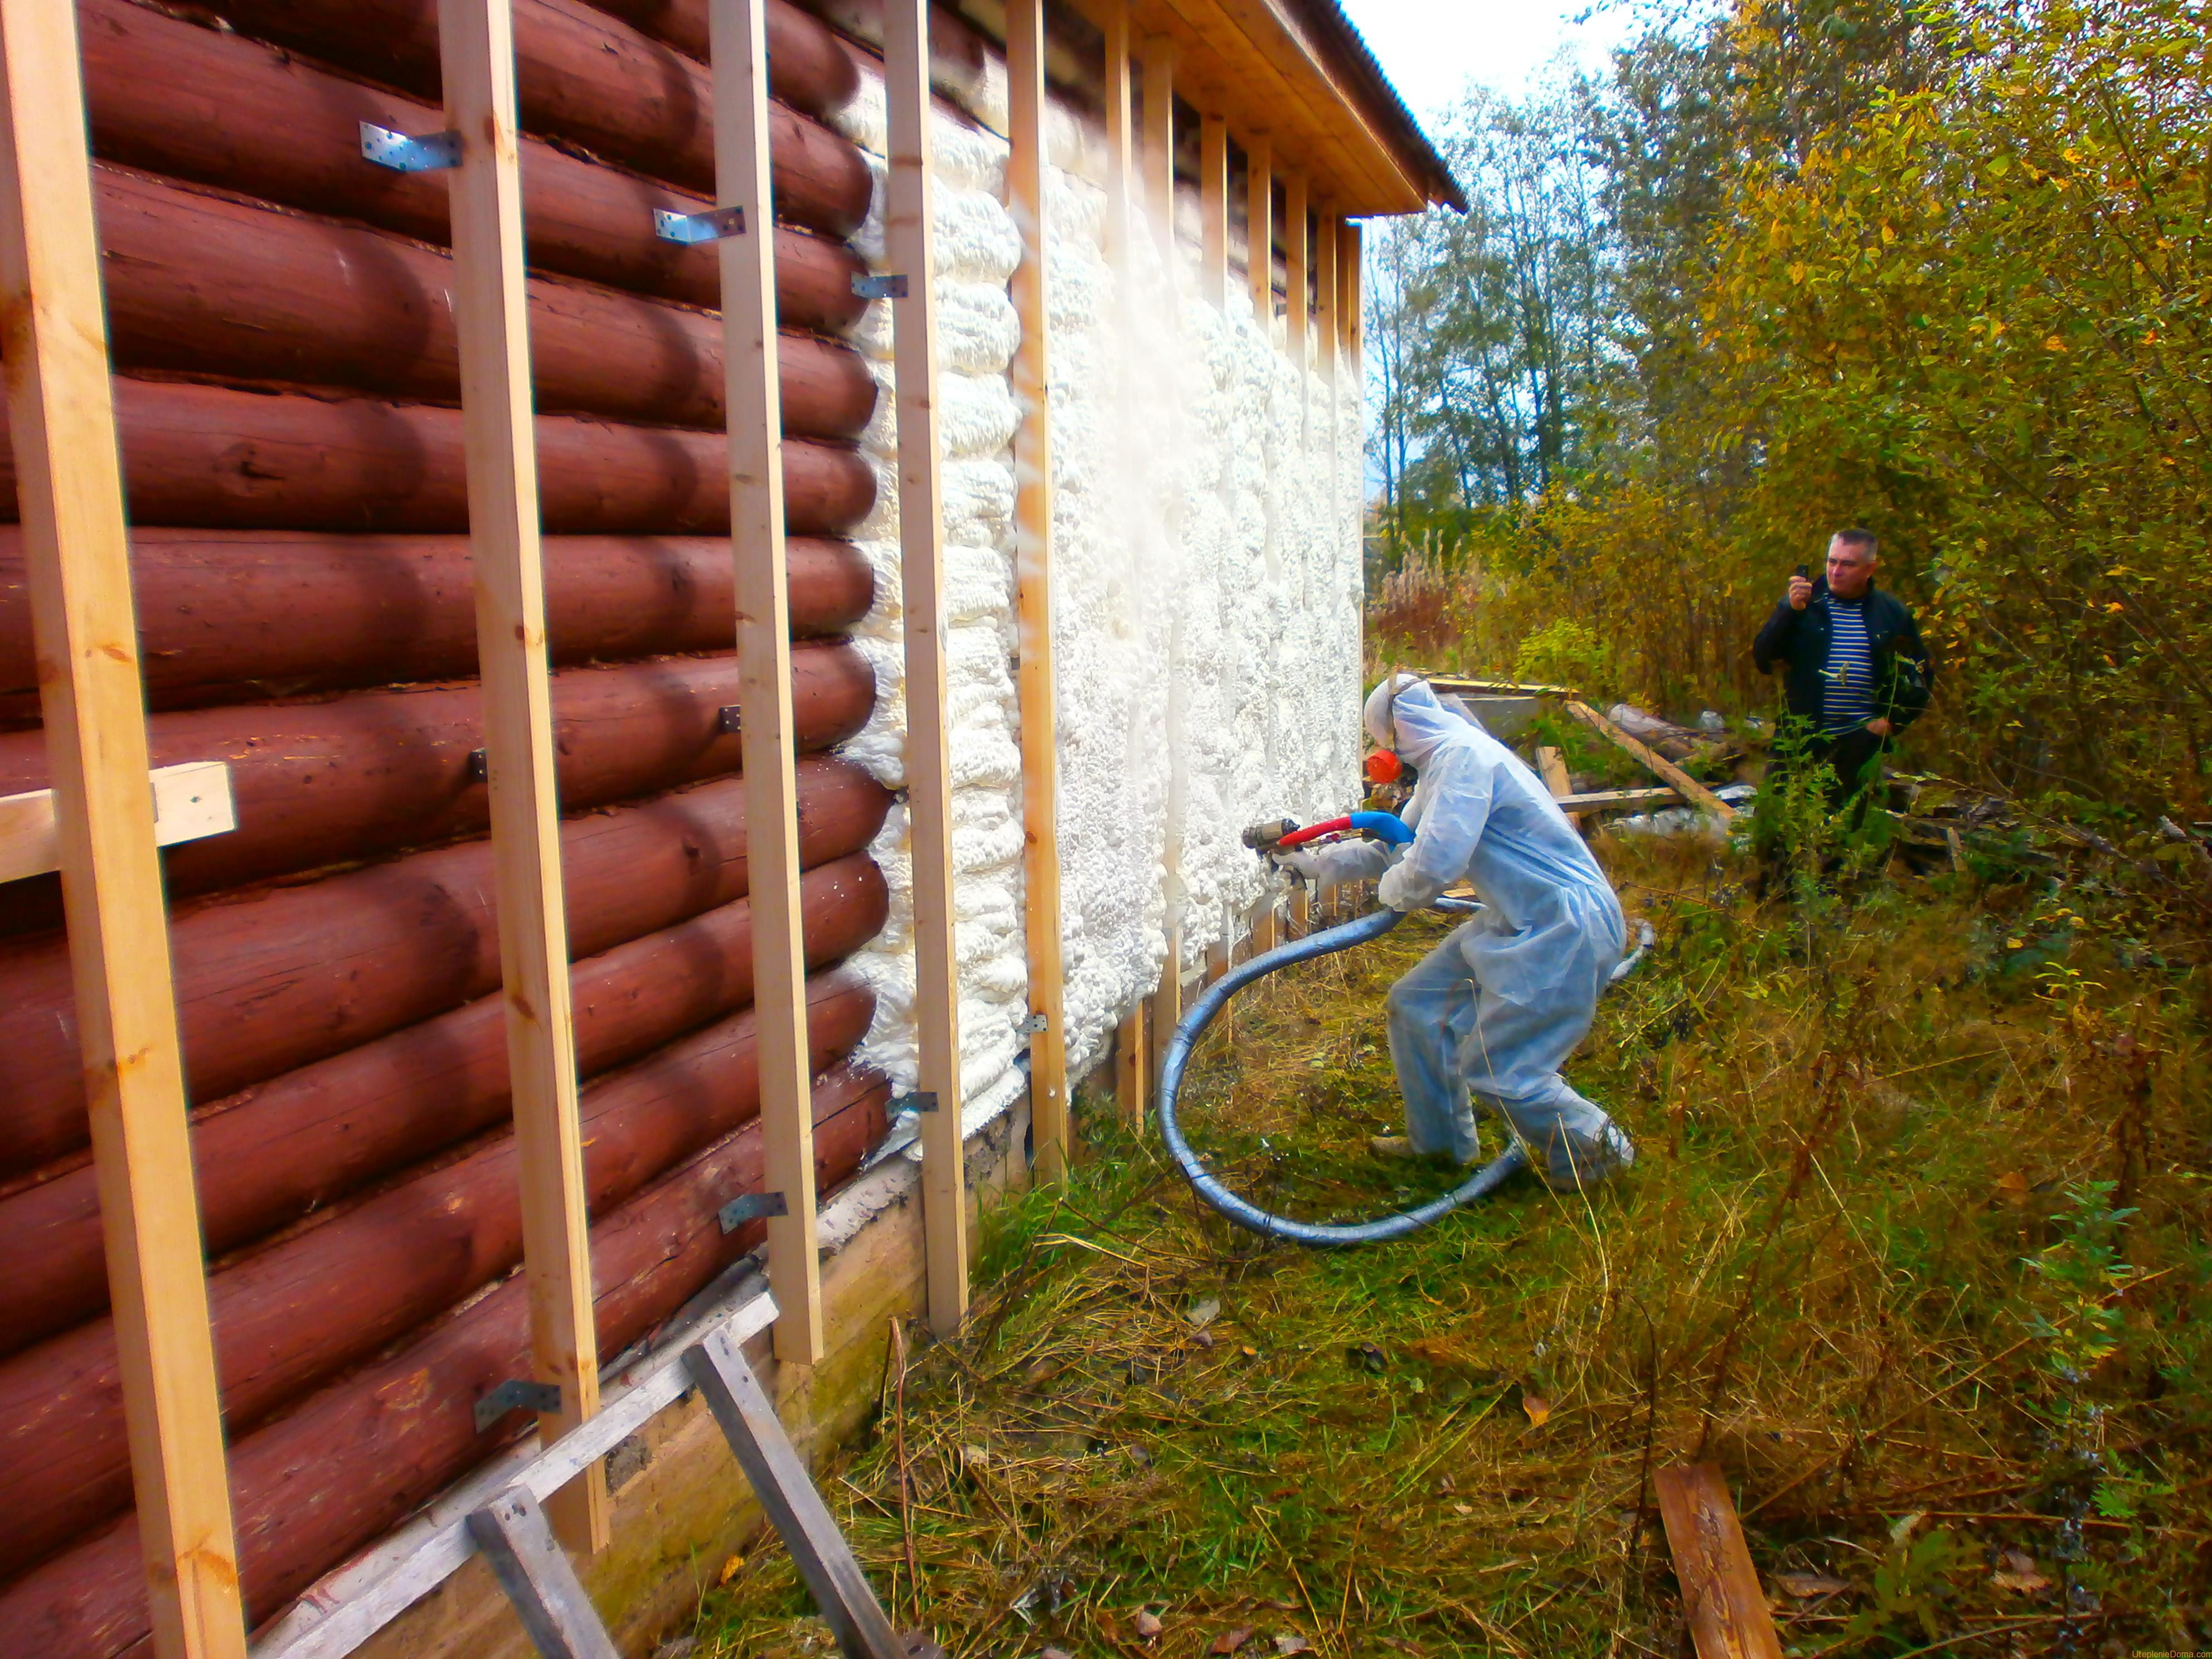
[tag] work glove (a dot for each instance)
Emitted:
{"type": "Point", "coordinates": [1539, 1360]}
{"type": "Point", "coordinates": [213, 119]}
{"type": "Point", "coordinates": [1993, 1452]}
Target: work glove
{"type": "Point", "coordinates": [1398, 889]}
{"type": "Point", "coordinates": [1298, 862]}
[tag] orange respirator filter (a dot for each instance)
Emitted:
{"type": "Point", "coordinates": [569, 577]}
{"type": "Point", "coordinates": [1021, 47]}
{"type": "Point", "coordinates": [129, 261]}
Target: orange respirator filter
{"type": "Point", "coordinates": [1383, 767]}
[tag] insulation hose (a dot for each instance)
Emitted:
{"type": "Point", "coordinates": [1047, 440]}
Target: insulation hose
{"type": "Point", "coordinates": [1246, 1214]}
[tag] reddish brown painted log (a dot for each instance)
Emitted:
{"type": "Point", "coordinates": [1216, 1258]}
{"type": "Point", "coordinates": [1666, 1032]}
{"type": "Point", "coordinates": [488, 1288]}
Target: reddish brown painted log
{"type": "Point", "coordinates": [352, 1460]}
{"type": "Point", "coordinates": [201, 455]}
{"type": "Point", "coordinates": [299, 1143]}
{"type": "Point", "coordinates": [581, 74]}
{"type": "Point", "coordinates": [216, 108]}
{"type": "Point", "coordinates": [350, 778]}
{"type": "Point", "coordinates": [803, 52]}
{"type": "Point", "coordinates": [224, 615]}
{"type": "Point", "coordinates": [284, 976]}
{"type": "Point", "coordinates": [205, 284]}
{"type": "Point", "coordinates": [291, 1315]}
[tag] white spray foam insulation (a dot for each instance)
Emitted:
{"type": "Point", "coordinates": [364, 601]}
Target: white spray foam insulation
{"type": "Point", "coordinates": [1206, 595]}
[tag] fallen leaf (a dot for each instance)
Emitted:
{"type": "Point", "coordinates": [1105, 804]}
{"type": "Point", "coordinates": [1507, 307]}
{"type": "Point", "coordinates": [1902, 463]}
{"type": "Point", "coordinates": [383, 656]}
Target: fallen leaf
{"type": "Point", "coordinates": [1445, 1485]}
{"type": "Point", "coordinates": [974, 1457]}
{"type": "Point", "coordinates": [1464, 1509]}
{"type": "Point", "coordinates": [1250, 1353]}
{"type": "Point", "coordinates": [730, 1569]}
{"type": "Point", "coordinates": [1901, 1528]}
{"type": "Point", "coordinates": [1056, 1653]}
{"type": "Point", "coordinates": [2019, 1561]}
{"type": "Point", "coordinates": [1203, 1339]}
{"type": "Point", "coordinates": [1806, 1585]}
{"type": "Point", "coordinates": [1230, 1640]}
{"type": "Point", "coordinates": [1203, 1314]}
{"type": "Point", "coordinates": [1538, 1408]}
{"type": "Point", "coordinates": [1148, 1623]}
{"type": "Point", "coordinates": [2026, 1582]}
{"type": "Point", "coordinates": [1291, 1641]}
{"type": "Point", "coordinates": [2014, 1185]}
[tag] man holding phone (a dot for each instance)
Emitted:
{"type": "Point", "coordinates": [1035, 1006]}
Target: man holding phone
{"type": "Point", "coordinates": [1855, 672]}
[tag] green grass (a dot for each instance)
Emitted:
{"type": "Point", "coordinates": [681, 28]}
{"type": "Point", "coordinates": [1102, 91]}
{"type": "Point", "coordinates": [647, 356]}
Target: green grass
{"type": "Point", "coordinates": [1869, 1263]}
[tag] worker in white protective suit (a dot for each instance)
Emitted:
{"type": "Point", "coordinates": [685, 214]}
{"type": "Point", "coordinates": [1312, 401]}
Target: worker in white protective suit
{"type": "Point", "coordinates": [1495, 1010]}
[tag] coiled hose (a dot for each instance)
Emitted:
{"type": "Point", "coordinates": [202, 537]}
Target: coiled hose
{"type": "Point", "coordinates": [1243, 1212]}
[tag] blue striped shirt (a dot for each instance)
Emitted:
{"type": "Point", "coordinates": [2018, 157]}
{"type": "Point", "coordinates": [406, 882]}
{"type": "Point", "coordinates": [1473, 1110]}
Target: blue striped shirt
{"type": "Point", "coordinates": [1847, 698]}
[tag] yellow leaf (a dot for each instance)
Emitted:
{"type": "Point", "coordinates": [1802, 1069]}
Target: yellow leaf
{"type": "Point", "coordinates": [2114, 607]}
{"type": "Point", "coordinates": [1538, 1408]}
{"type": "Point", "coordinates": [2052, 343]}
{"type": "Point", "coordinates": [730, 1569]}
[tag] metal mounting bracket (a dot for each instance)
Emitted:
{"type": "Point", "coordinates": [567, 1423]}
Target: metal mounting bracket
{"type": "Point", "coordinates": [479, 766]}
{"type": "Point", "coordinates": [402, 153]}
{"type": "Point", "coordinates": [516, 1393]}
{"type": "Point", "coordinates": [711, 226]}
{"type": "Point", "coordinates": [730, 717]}
{"type": "Point", "coordinates": [751, 1206]}
{"type": "Point", "coordinates": [880, 287]}
{"type": "Point", "coordinates": [923, 1100]}
{"type": "Point", "coordinates": [1037, 1023]}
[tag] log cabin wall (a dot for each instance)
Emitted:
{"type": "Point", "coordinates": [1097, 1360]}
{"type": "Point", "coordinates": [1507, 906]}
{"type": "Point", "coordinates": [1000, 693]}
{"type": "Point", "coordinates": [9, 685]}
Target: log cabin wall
{"type": "Point", "coordinates": [283, 332]}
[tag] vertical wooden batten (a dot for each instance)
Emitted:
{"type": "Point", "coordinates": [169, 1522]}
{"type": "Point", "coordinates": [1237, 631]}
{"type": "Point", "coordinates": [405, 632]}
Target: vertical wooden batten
{"type": "Point", "coordinates": [909, 234]}
{"type": "Point", "coordinates": [754, 400]}
{"type": "Point", "coordinates": [92, 698]}
{"type": "Point", "coordinates": [1330, 340]}
{"type": "Point", "coordinates": [1260, 228]}
{"type": "Point", "coordinates": [1296, 256]}
{"type": "Point", "coordinates": [1113, 18]}
{"type": "Point", "coordinates": [1213, 210]}
{"type": "Point", "coordinates": [1026, 198]}
{"type": "Point", "coordinates": [491, 315]}
{"type": "Point", "coordinates": [1159, 141]}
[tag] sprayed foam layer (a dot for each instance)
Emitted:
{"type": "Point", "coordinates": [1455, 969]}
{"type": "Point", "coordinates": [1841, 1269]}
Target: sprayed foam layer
{"type": "Point", "coordinates": [1205, 594]}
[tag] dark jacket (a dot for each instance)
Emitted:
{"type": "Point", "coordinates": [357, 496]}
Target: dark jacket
{"type": "Point", "coordinates": [1903, 675]}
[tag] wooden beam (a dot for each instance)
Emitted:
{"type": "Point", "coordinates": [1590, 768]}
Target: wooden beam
{"type": "Point", "coordinates": [1552, 767]}
{"type": "Point", "coordinates": [510, 1533]}
{"type": "Point", "coordinates": [1721, 1602]}
{"type": "Point", "coordinates": [1296, 256]}
{"type": "Point", "coordinates": [1266, 925]}
{"type": "Point", "coordinates": [1356, 275]}
{"type": "Point", "coordinates": [1026, 166]}
{"type": "Point", "coordinates": [1260, 228]}
{"type": "Point", "coordinates": [491, 317]}
{"type": "Point", "coordinates": [1328, 341]}
{"type": "Point", "coordinates": [1301, 912]}
{"type": "Point", "coordinates": [1607, 800]}
{"type": "Point", "coordinates": [62, 419]}
{"type": "Point", "coordinates": [1159, 141]}
{"type": "Point", "coordinates": [1113, 18]}
{"type": "Point", "coordinates": [1691, 789]}
{"type": "Point", "coordinates": [191, 800]}
{"type": "Point", "coordinates": [1213, 210]}
{"type": "Point", "coordinates": [1130, 1060]}
{"type": "Point", "coordinates": [909, 236]}
{"type": "Point", "coordinates": [1166, 1012]}
{"type": "Point", "coordinates": [753, 399]}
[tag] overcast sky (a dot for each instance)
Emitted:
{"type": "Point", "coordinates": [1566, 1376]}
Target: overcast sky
{"type": "Point", "coordinates": [1431, 49]}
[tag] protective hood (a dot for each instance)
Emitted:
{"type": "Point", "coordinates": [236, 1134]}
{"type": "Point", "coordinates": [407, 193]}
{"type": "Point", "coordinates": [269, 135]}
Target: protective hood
{"type": "Point", "coordinates": [1422, 723]}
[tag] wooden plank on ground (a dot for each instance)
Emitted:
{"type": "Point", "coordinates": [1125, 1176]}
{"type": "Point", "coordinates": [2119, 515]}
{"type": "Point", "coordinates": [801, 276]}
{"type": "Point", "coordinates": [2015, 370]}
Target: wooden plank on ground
{"type": "Point", "coordinates": [1696, 793]}
{"type": "Point", "coordinates": [1213, 210]}
{"type": "Point", "coordinates": [1552, 767]}
{"type": "Point", "coordinates": [909, 235]}
{"type": "Point", "coordinates": [191, 801]}
{"type": "Point", "coordinates": [491, 317]}
{"type": "Point", "coordinates": [1611, 800]}
{"type": "Point", "coordinates": [825, 1562]}
{"type": "Point", "coordinates": [1721, 1601]}
{"type": "Point", "coordinates": [510, 1533]}
{"type": "Point", "coordinates": [1036, 687]}
{"type": "Point", "coordinates": [753, 399]}
{"type": "Point", "coordinates": [1298, 256]}
{"type": "Point", "coordinates": [1260, 228]}
{"type": "Point", "coordinates": [85, 629]}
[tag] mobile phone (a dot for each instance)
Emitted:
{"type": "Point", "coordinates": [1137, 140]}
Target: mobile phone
{"type": "Point", "coordinates": [1805, 573]}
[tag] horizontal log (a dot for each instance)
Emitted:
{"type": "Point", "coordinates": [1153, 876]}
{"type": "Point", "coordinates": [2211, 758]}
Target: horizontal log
{"type": "Point", "coordinates": [320, 783]}
{"type": "Point", "coordinates": [580, 74]}
{"type": "Point", "coordinates": [220, 458]}
{"type": "Point", "coordinates": [205, 284]}
{"type": "Point", "coordinates": [352, 1460]}
{"type": "Point", "coordinates": [213, 107]}
{"type": "Point", "coordinates": [290, 1315]}
{"type": "Point", "coordinates": [290, 974]}
{"type": "Point", "coordinates": [224, 615]}
{"type": "Point", "coordinates": [803, 52]}
{"type": "Point", "coordinates": [299, 1143]}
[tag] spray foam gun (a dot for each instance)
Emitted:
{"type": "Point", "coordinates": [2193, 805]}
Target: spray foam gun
{"type": "Point", "coordinates": [1279, 835]}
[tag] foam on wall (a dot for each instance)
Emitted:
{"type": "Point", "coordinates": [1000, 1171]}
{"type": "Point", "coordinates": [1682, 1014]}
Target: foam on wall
{"type": "Point", "coordinates": [1206, 605]}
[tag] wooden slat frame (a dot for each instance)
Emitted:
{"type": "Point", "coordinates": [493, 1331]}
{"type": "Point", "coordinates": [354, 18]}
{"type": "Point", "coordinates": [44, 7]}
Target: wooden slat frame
{"type": "Point", "coordinates": [1297, 279]}
{"type": "Point", "coordinates": [491, 317]}
{"type": "Point", "coordinates": [1026, 166]}
{"type": "Point", "coordinates": [1260, 228]}
{"type": "Point", "coordinates": [1328, 339]}
{"type": "Point", "coordinates": [909, 234]}
{"type": "Point", "coordinates": [1159, 140]}
{"type": "Point", "coordinates": [1213, 210]}
{"type": "Point", "coordinates": [753, 400]}
{"type": "Point", "coordinates": [1112, 19]}
{"type": "Point", "coordinates": [1131, 1060]}
{"type": "Point", "coordinates": [93, 697]}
